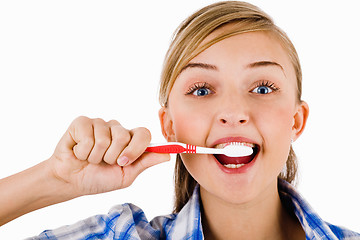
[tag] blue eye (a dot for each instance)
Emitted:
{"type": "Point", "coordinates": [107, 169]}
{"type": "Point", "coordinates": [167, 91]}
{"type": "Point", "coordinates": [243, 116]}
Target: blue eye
{"type": "Point", "coordinates": [265, 87]}
{"type": "Point", "coordinates": [201, 92]}
{"type": "Point", "coordinates": [200, 89]}
{"type": "Point", "coordinates": [262, 90]}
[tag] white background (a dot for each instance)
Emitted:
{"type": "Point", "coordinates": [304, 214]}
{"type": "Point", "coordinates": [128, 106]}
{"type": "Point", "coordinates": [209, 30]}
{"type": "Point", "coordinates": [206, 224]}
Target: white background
{"type": "Point", "coordinates": [62, 59]}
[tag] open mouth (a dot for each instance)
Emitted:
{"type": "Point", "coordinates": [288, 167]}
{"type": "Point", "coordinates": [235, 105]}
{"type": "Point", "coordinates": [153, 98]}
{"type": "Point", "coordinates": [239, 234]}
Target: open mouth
{"type": "Point", "coordinates": [237, 162]}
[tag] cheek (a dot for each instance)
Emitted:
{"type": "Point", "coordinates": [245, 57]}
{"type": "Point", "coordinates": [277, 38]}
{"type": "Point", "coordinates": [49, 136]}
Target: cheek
{"type": "Point", "coordinates": [278, 119]}
{"type": "Point", "coordinates": [276, 127]}
{"type": "Point", "coordinates": [189, 124]}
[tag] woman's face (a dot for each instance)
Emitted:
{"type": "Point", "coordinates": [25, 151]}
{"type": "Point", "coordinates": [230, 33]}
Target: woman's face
{"type": "Point", "coordinates": [241, 89]}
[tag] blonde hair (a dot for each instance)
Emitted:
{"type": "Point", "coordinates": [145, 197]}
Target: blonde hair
{"type": "Point", "coordinates": [188, 42]}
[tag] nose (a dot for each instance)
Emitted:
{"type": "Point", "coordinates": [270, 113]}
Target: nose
{"type": "Point", "coordinates": [233, 112]}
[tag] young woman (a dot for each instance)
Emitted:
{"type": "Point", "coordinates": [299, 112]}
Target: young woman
{"type": "Point", "coordinates": [230, 76]}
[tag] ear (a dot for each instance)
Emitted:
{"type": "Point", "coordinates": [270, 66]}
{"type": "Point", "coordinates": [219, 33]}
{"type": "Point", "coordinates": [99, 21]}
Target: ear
{"type": "Point", "coordinates": [166, 124]}
{"type": "Point", "coordinates": [300, 119]}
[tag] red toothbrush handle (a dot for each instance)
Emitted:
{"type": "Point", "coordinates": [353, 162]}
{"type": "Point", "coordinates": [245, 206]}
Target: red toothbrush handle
{"type": "Point", "coordinates": [172, 148]}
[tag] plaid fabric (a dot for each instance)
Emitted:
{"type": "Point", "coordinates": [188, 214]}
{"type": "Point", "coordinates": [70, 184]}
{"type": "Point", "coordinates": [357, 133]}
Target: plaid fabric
{"type": "Point", "coordinates": [313, 225]}
{"type": "Point", "coordinates": [127, 221]}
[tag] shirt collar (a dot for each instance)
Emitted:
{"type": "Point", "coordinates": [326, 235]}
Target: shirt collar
{"type": "Point", "coordinates": [313, 225]}
{"type": "Point", "coordinates": [188, 221]}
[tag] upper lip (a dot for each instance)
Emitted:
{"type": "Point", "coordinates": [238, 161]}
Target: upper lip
{"type": "Point", "coordinates": [233, 139]}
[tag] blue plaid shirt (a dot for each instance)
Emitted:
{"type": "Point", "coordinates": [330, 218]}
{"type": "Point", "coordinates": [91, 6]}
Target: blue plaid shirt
{"type": "Point", "coordinates": [127, 221]}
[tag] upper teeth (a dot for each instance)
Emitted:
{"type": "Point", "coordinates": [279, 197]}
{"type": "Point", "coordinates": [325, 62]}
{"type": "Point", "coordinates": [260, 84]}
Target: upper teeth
{"type": "Point", "coordinates": [222, 145]}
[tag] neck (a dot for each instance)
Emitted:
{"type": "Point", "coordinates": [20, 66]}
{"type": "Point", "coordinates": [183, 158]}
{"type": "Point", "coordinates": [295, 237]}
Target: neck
{"type": "Point", "coordinates": [262, 218]}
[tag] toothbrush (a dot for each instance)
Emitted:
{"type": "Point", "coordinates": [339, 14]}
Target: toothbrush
{"type": "Point", "coordinates": [231, 150]}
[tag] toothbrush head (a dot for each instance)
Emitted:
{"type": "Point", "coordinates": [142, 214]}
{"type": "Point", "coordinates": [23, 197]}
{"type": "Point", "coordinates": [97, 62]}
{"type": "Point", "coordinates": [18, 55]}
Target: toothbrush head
{"type": "Point", "coordinates": [237, 150]}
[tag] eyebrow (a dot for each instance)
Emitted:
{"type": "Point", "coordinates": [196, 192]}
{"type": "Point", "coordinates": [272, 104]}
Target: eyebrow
{"type": "Point", "coordinates": [265, 64]}
{"type": "Point", "coordinates": [251, 65]}
{"type": "Point", "coordinates": [200, 65]}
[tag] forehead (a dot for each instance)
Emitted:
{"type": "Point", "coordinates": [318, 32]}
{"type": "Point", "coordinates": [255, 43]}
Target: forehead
{"type": "Point", "coordinates": [245, 48]}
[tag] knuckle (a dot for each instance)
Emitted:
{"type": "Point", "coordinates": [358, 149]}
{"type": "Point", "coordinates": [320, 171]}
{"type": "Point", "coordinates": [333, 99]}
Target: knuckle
{"type": "Point", "coordinates": [102, 142]}
{"type": "Point", "coordinates": [144, 132]}
{"type": "Point", "coordinates": [121, 136]}
{"type": "Point", "coordinates": [81, 119]}
{"type": "Point", "coordinates": [122, 142]}
{"type": "Point", "coordinates": [99, 121]}
{"type": "Point", "coordinates": [114, 122]}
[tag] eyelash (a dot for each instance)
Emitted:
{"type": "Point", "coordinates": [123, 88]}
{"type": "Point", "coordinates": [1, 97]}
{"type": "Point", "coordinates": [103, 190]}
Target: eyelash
{"type": "Point", "coordinates": [197, 86]}
{"type": "Point", "coordinates": [266, 83]}
{"type": "Point", "coordinates": [200, 85]}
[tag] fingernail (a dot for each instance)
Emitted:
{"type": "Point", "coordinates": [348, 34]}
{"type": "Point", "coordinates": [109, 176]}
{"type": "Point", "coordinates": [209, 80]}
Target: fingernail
{"type": "Point", "coordinates": [122, 161]}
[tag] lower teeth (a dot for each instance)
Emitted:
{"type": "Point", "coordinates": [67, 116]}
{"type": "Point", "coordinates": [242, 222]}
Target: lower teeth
{"type": "Point", "coordinates": [234, 165]}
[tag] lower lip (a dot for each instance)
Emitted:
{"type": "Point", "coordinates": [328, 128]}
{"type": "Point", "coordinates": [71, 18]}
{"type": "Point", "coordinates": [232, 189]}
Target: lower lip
{"type": "Point", "coordinates": [243, 169]}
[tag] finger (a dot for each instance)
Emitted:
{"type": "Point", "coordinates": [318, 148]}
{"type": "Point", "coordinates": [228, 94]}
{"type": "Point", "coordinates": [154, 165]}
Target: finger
{"type": "Point", "coordinates": [102, 138]}
{"type": "Point", "coordinates": [145, 161]}
{"type": "Point", "coordinates": [140, 139]}
{"type": "Point", "coordinates": [120, 138]}
{"type": "Point", "coordinates": [81, 131]}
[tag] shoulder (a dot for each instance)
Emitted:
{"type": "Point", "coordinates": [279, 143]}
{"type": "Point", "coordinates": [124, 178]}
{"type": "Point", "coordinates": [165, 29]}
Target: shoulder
{"type": "Point", "coordinates": [314, 226]}
{"type": "Point", "coordinates": [126, 221]}
{"type": "Point", "coordinates": [130, 220]}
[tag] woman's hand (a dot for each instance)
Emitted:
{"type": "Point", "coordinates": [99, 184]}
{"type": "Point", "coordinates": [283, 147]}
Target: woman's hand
{"type": "Point", "coordinates": [84, 162]}
{"type": "Point", "coordinates": [95, 156]}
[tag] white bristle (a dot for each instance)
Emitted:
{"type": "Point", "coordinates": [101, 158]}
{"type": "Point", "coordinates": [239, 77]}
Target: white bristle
{"type": "Point", "coordinates": [237, 150]}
